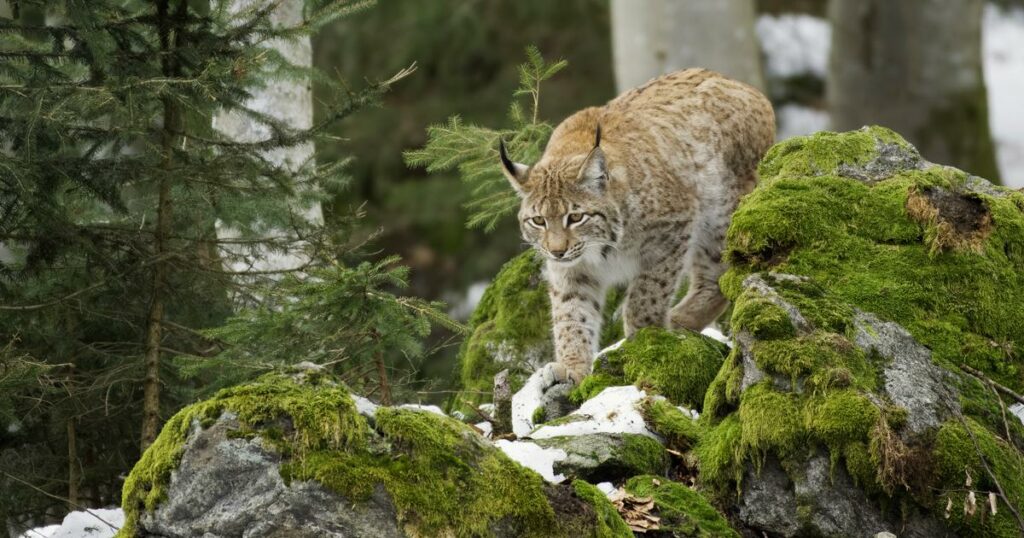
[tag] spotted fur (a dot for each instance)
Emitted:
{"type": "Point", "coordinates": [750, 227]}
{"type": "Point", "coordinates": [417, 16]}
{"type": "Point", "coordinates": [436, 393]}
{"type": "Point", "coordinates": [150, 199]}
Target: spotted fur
{"type": "Point", "coordinates": [640, 192]}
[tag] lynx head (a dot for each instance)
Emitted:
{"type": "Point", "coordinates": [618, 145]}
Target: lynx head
{"type": "Point", "coordinates": [565, 210]}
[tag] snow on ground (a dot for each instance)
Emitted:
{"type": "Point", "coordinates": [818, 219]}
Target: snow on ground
{"type": "Point", "coordinates": [529, 398]}
{"type": "Point", "coordinates": [1018, 410]}
{"type": "Point", "coordinates": [365, 406]}
{"type": "Point", "coordinates": [614, 410]}
{"type": "Point", "coordinates": [95, 523]}
{"type": "Point", "coordinates": [534, 457]}
{"type": "Point", "coordinates": [794, 44]}
{"type": "Point", "coordinates": [712, 332]}
{"type": "Point", "coordinates": [428, 408]}
{"type": "Point", "coordinates": [1002, 41]}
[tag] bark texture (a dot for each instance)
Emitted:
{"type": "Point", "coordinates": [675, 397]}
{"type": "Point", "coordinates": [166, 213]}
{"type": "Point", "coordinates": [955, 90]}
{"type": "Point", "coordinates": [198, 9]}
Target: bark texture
{"type": "Point", "coordinates": [914, 66]}
{"type": "Point", "coordinates": [654, 37]}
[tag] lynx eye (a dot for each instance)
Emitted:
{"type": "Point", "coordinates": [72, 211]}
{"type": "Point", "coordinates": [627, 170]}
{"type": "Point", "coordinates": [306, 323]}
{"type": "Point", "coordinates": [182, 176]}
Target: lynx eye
{"type": "Point", "coordinates": [574, 218]}
{"type": "Point", "coordinates": [538, 221]}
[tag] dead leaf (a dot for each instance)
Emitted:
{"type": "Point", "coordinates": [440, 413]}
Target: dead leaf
{"type": "Point", "coordinates": [992, 502]}
{"type": "Point", "coordinates": [970, 504]}
{"type": "Point", "coordinates": [949, 507]}
{"type": "Point", "coordinates": [967, 482]}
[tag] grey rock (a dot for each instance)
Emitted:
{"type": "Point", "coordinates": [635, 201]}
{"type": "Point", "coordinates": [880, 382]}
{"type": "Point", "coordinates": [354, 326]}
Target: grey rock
{"type": "Point", "coordinates": [555, 401]}
{"type": "Point", "coordinates": [912, 380]}
{"type": "Point", "coordinates": [229, 487]}
{"type": "Point", "coordinates": [890, 160]}
{"type": "Point", "coordinates": [768, 503]}
{"type": "Point", "coordinates": [837, 506]}
{"type": "Point", "coordinates": [597, 457]}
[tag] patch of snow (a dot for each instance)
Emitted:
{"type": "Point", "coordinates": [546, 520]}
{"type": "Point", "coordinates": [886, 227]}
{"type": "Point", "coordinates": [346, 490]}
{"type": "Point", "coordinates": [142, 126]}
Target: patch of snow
{"type": "Point", "coordinates": [794, 44]}
{"type": "Point", "coordinates": [529, 398]}
{"type": "Point", "coordinates": [486, 428]}
{"type": "Point", "coordinates": [429, 408]}
{"type": "Point", "coordinates": [610, 348]}
{"type": "Point", "coordinates": [1002, 39]}
{"type": "Point", "coordinates": [692, 413]}
{"type": "Point", "coordinates": [1018, 411]}
{"type": "Point", "coordinates": [487, 408]}
{"type": "Point", "coordinates": [95, 523]}
{"type": "Point", "coordinates": [614, 410]}
{"type": "Point", "coordinates": [799, 120]}
{"type": "Point", "coordinates": [607, 488]}
{"type": "Point", "coordinates": [365, 406]}
{"type": "Point", "coordinates": [712, 332]}
{"type": "Point", "coordinates": [530, 455]}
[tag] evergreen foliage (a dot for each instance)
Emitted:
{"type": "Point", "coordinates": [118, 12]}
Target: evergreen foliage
{"type": "Point", "coordinates": [473, 150]}
{"type": "Point", "coordinates": [131, 228]}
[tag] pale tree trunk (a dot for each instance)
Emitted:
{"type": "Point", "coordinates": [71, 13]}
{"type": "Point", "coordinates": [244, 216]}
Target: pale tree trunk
{"type": "Point", "coordinates": [290, 102]}
{"type": "Point", "coordinates": [914, 66]}
{"type": "Point", "coordinates": [654, 37]}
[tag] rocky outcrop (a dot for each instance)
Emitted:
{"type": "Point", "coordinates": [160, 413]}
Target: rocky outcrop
{"type": "Point", "coordinates": [876, 303]}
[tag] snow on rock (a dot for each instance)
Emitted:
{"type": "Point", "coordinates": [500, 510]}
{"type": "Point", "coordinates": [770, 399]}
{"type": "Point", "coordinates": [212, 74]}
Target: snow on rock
{"type": "Point", "coordinates": [365, 406]}
{"type": "Point", "coordinates": [1018, 411]}
{"type": "Point", "coordinates": [1002, 40]}
{"type": "Point", "coordinates": [429, 408]}
{"type": "Point", "coordinates": [794, 44]}
{"type": "Point", "coordinates": [611, 348]}
{"type": "Point", "coordinates": [712, 332]}
{"type": "Point", "coordinates": [539, 459]}
{"type": "Point", "coordinates": [95, 523]}
{"type": "Point", "coordinates": [529, 398]}
{"type": "Point", "coordinates": [607, 488]}
{"type": "Point", "coordinates": [614, 410]}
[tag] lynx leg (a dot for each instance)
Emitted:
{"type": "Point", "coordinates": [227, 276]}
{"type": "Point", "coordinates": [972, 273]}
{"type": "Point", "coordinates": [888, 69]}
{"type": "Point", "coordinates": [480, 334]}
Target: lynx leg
{"type": "Point", "coordinates": [576, 301]}
{"type": "Point", "coordinates": [650, 293]}
{"type": "Point", "coordinates": [704, 301]}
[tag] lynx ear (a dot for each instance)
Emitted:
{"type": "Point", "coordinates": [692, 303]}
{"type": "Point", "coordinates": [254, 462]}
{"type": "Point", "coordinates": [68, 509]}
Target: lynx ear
{"type": "Point", "coordinates": [594, 172]}
{"type": "Point", "coordinates": [514, 172]}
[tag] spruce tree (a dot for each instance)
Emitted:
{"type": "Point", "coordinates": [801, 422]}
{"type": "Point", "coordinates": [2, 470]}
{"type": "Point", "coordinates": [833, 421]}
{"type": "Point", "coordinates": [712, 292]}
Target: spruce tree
{"type": "Point", "coordinates": [131, 227]}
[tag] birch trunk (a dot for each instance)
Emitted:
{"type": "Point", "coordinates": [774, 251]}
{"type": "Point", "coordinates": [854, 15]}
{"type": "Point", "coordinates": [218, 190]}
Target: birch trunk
{"type": "Point", "coordinates": [914, 66]}
{"type": "Point", "coordinates": [653, 37]}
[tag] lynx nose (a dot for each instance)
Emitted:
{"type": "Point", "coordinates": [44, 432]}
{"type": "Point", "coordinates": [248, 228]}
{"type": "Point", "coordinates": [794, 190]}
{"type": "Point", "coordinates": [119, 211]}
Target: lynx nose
{"type": "Point", "coordinates": [557, 253]}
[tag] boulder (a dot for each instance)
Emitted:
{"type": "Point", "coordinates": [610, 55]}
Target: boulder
{"type": "Point", "coordinates": [862, 277]}
{"type": "Point", "coordinates": [291, 455]}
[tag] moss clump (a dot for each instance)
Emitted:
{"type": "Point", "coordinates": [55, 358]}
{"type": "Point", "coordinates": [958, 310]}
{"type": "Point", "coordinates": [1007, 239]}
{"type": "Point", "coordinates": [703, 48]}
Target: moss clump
{"type": "Point", "coordinates": [770, 421]}
{"type": "Point", "coordinates": [865, 218]}
{"type": "Point", "coordinates": [322, 416]}
{"type": "Point", "coordinates": [680, 431]}
{"type": "Point", "coordinates": [643, 454]}
{"type": "Point", "coordinates": [724, 392]}
{"type": "Point", "coordinates": [683, 511]}
{"type": "Point", "coordinates": [609, 522]}
{"type": "Point", "coordinates": [840, 417]}
{"type": "Point", "coordinates": [679, 366]}
{"type": "Point", "coordinates": [760, 317]}
{"type": "Point", "coordinates": [956, 457]}
{"type": "Point", "coordinates": [720, 453]}
{"type": "Point", "coordinates": [592, 385]}
{"type": "Point", "coordinates": [510, 328]}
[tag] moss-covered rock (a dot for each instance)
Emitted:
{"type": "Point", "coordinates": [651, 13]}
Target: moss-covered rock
{"type": "Point", "coordinates": [677, 365]}
{"type": "Point", "coordinates": [683, 511]}
{"type": "Point", "coordinates": [290, 454]}
{"type": "Point", "coordinates": [862, 277]}
{"type": "Point", "coordinates": [603, 457]}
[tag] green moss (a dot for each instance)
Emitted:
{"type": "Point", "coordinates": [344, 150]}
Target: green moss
{"type": "Point", "coordinates": [840, 417]}
{"type": "Point", "coordinates": [859, 240]}
{"type": "Point", "coordinates": [825, 360]}
{"type": "Point", "coordinates": [723, 393]}
{"type": "Point", "coordinates": [679, 366]}
{"type": "Point", "coordinates": [862, 467]}
{"type": "Point", "coordinates": [592, 385]}
{"type": "Point", "coordinates": [643, 454]}
{"type": "Point", "coordinates": [770, 421]}
{"type": "Point", "coordinates": [720, 453]}
{"type": "Point", "coordinates": [680, 431]}
{"type": "Point", "coordinates": [539, 415]}
{"type": "Point", "coordinates": [761, 317]}
{"type": "Point", "coordinates": [683, 511]}
{"type": "Point", "coordinates": [513, 319]}
{"type": "Point", "coordinates": [322, 416]}
{"type": "Point", "coordinates": [956, 456]}
{"type": "Point", "coordinates": [609, 522]}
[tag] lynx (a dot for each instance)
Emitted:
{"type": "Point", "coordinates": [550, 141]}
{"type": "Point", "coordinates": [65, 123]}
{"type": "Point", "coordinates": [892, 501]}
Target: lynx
{"type": "Point", "coordinates": [640, 192]}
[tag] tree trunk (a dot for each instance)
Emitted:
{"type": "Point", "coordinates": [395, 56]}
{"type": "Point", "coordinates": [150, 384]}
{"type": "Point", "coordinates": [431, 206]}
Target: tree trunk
{"type": "Point", "coordinates": [172, 124]}
{"type": "Point", "coordinates": [914, 66]}
{"type": "Point", "coordinates": [653, 37]}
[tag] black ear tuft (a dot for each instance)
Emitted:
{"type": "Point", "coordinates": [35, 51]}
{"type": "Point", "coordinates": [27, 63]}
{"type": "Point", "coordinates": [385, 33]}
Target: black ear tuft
{"type": "Point", "coordinates": [505, 161]}
{"type": "Point", "coordinates": [597, 138]}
